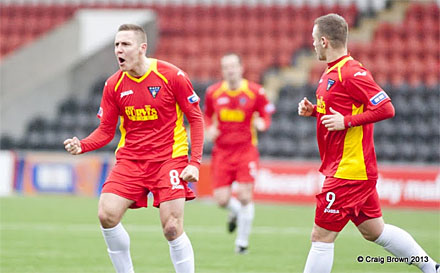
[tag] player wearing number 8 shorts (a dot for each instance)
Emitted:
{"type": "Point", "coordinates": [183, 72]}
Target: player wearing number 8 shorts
{"type": "Point", "coordinates": [348, 103]}
{"type": "Point", "coordinates": [150, 98]}
{"type": "Point", "coordinates": [134, 179]}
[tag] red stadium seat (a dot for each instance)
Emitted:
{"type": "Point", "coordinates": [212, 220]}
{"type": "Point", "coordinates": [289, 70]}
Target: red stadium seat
{"type": "Point", "coordinates": [432, 79]}
{"type": "Point", "coordinates": [397, 66]}
{"type": "Point", "coordinates": [414, 80]}
{"type": "Point", "coordinates": [397, 79]}
{"type": "Point", "coordinates": [385, 31]}
{"type": "Point", "coordinates": [381, 47]}
{"type": "Point", "coordinates": [415, 10]}
{"type": "Point", "coordinates": [271, 32]}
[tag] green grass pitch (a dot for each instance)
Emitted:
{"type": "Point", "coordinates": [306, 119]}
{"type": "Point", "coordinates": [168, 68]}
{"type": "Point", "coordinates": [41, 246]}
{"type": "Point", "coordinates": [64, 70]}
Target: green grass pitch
{"type": "Point", "coordinates": [62, 234]}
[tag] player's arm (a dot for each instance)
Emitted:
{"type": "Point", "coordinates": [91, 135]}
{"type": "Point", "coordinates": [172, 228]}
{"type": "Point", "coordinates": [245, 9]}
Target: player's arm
{"type": "Point", "coordinates": [189, 103]}
{"type": "Point", "coordinates": [265, 110]}
{"type": "Point", "coordinates": [306, 108]}
{"type": "Point", "coordinates": [384, 111]}
{"type": "Point", "coordinates": [211, 130]}
{"type": "Point", "coordinates": [101, 136]}
{"type": "Point", "coordinates": [363, 89]}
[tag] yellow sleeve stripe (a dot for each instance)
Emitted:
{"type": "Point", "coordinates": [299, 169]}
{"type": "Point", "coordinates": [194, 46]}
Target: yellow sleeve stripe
{"type": "Point", "coordinates": [119, 82]}
{"type": "Point", "coordinates": [339, 74]}
{"type": "Point", "coordinates": [154, 69]}
{"type": "Point", "coordinates": [249, 93]}
{"type": "Point", "coordinates": [246, 90]}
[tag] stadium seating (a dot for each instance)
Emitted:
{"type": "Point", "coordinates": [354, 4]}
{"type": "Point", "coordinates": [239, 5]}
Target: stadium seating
{"type": "Point", "coordinates": [194, 38]}
{"type": "Point", "coordinates": [268, 34]}
{"type": "Point", "coordinates": [416, 38]}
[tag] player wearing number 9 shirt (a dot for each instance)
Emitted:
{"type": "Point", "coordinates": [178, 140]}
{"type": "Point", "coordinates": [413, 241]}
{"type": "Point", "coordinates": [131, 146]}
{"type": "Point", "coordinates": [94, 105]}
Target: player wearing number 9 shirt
{"type": "Point", "coordinates": [150, 98]}
{"type": "Point", "coordinates": [348, 103]}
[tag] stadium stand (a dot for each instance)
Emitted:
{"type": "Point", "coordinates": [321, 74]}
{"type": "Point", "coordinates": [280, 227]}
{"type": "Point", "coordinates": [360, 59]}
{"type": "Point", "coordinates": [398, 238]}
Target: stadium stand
{"type": "Point", "coordinates": [404, 58]}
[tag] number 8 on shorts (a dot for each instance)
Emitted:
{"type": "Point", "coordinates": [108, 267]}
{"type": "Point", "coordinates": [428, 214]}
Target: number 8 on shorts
{"type": "Point", "coordinates": [175, 180]}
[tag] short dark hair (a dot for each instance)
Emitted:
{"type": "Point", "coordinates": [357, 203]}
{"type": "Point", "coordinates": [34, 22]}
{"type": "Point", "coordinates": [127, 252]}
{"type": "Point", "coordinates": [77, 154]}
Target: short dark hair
{"type": "Point", "coordinates": [137, 29]}
{"type": "Point", "coordinates": [334, 28]}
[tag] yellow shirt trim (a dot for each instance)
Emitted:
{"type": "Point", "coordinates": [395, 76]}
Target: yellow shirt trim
{"type": "Point", "coordinates": [244, 87]}
{"type": "Point", "coordinates": [152, 68]}
{"type": "Point", "coordinates": [123, 134]}
{"type": "Point", "coordinates": [339, 65]}
{"type": "Point", "coordinates": [180, 146]}
{"type": "Point", "coordinates": [119, 81]}
{"type": "Point", "coordinates": [254, 135]}
{"type": "Point", "coordinates": [352, 164]}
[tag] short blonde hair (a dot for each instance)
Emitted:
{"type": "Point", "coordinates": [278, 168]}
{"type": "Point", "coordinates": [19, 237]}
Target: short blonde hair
{"type": "Point", "coordinates": [334, 28]}
{"type": "Point", "coordinates": [135, 28]}
{"type": "Point", "coordinates": [232, 54]}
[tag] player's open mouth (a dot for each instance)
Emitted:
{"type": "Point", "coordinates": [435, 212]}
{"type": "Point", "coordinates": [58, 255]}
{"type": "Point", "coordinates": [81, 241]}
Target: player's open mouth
{"type": "Point", "coordinates": [121, 60]}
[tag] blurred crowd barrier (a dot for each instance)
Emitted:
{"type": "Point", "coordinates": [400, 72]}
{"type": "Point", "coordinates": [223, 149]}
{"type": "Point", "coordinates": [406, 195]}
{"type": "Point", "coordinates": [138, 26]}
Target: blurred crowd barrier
{"type": "Point", "coordinates": [294, 182]}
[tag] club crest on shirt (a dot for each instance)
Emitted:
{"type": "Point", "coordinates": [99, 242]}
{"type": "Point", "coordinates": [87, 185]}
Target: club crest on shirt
{"type": "Point", "coordinates": [330, 83]}
{"type": "Point", "coordinates": [242, 101]}
{"type": "Point", "coordinates": [154, 90]}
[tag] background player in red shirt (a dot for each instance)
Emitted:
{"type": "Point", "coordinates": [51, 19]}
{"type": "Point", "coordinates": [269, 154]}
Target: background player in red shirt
{"type": "Point", "coordinates": [234, 108]}
{"type": "Point", "coordinates": [348, 103]}
{"type": "Point", "coordinates": [149, 97]}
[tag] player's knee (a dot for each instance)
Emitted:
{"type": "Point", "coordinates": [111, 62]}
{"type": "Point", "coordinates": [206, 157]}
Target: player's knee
{"type": "Point", "coordinates": [107, 219]}
{"type": "Point", "coordinates": [325, 237]}
{"type": "Point", "coordinates": [171, 230]}
{"type": "Point", "coordinates": [245, 199]}
{"type": "Point", "coordinates": [222, 201]}
{"type": "Point", "coordinates": [314, 236]}
{"type": "Point", "coordinates": [370, 236]}
{"type": "Point", "coordinates": [245, 195]}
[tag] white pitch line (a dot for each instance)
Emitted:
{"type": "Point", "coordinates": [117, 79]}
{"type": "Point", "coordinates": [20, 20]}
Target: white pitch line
{"type": "Point", "coordinates": [142, 228]}
{"type": "Point", "coordinates": [259, 230]}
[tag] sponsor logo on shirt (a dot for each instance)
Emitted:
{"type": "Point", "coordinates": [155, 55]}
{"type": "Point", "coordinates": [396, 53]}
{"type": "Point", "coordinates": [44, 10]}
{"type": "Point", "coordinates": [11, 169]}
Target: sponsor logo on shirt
{"type": "Point", "coordinates": [154, 90]}
{"type": "Point", "coordinates": [100, 112]}
{"type": "Point", "coordinates": [320, 105]}
{"type": "Point", "coordinates": [330, 83]}
{"type": "Point", "coordinates": [126, 93]}
{"type": "Point", "coordinates": [223, 100]}
{"type": "Point", "coordinates": [141, 114]}
{"type": "Point", "coordinates": [360, 73]}
{"type": "Point", "coordinates": [231, 115]}
{"type": "Point", "coordinates": [379, 97]}
{"type": "Point", "coordinates": [193, 98]}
